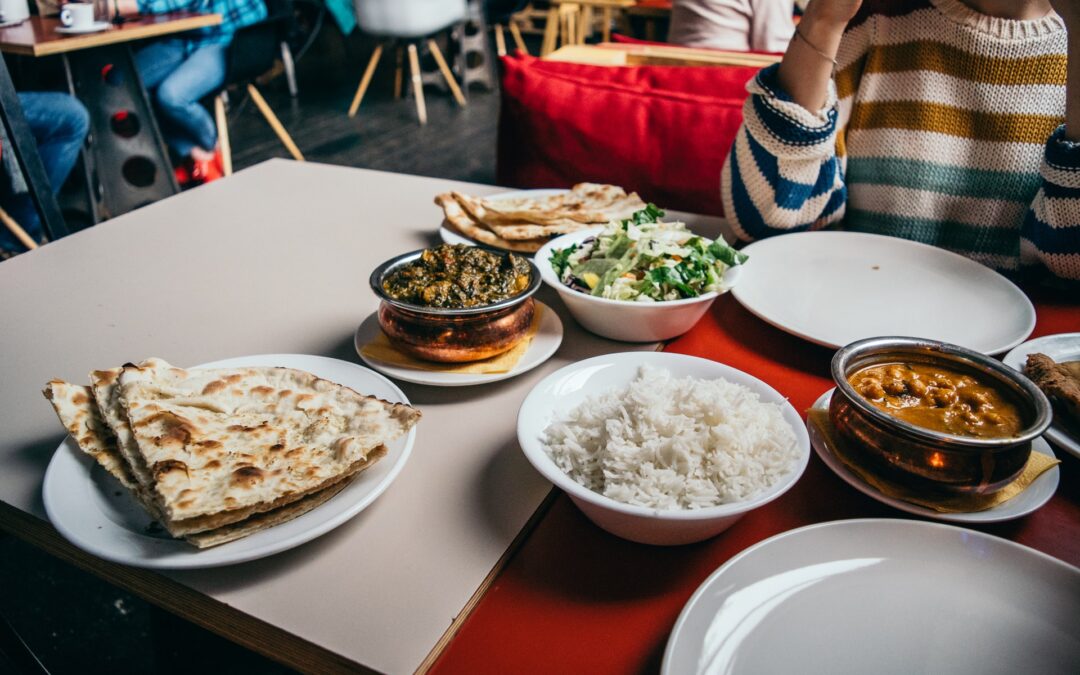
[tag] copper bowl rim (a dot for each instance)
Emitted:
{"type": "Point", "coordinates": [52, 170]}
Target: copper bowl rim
{"type": "Point", "coordinates": [384, 270]}
{"type": "Point", "coordinates": [858, 355]}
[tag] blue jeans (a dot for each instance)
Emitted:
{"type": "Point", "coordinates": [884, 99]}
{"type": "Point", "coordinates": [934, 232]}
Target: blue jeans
{"type": "Point", "coordinates": [178, 81]}
{"type": "Point", "coordinates": [59, 124]}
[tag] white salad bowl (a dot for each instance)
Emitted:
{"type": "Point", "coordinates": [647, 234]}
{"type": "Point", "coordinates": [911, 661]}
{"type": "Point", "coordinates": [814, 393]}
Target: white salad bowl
{"type": "Point", "coordinates": [568, 387]}
{"type": "Point", "coordinates": [626, 320]}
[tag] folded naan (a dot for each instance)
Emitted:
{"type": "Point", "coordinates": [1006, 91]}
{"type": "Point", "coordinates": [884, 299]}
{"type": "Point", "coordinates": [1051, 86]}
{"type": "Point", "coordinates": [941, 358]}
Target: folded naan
{"type": "Point", "coordinates": [74, 405]}
{"type": "Point", "coordinates": [250, 439]}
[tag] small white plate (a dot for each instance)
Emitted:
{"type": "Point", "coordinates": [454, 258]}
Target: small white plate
{"type": "Point", "coordinates": [1030, 500]}
{"type": "Point", "coordinates": [885, 597]}
{"type": "Point", "coordinates": [450, 236]}
{"type": "Point", "coordinates": [1063, 347]}
{"type": "Point", "coordinates": [544, 344]}
{"type": "Point", "coordinates": [833, 288]}
{"type": "Point", "coordinates": [95, 27]}
{"type": "Point", "coordinates": [92, 511]}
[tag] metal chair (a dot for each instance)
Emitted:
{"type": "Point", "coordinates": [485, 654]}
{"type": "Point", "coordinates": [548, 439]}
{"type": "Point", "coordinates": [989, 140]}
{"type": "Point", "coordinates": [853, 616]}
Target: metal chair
{"type": "Point", "coordinates": [253, 51]}
{"type": "Point", "coordinates": [408, 22]}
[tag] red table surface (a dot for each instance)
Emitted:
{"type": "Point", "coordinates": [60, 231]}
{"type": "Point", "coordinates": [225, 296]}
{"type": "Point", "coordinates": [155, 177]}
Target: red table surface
{"type": "Point", "coordinates": [576, 599]}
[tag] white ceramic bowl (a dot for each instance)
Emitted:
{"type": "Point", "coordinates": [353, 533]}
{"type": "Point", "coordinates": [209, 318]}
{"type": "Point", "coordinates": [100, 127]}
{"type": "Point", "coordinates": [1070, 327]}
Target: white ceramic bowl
{"type": "Point", "coordinates": [566, 388]}
{"type": "Point", "coordinates": [624, 320]}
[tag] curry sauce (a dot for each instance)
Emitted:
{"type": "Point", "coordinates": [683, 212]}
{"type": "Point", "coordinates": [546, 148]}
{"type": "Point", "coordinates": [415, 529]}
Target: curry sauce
{"type": "Point", "coordinates": [939, 399]}
{"type": "Point", "coordinates": [458, 276]}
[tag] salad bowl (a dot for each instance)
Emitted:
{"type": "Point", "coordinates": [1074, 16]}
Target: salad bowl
{"type": "Point", "coordinates": [625, 320]}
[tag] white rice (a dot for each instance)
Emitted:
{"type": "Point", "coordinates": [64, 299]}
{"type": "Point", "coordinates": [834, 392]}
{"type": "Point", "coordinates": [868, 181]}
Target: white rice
{"type": "Point", "coordinates": [674, 443]}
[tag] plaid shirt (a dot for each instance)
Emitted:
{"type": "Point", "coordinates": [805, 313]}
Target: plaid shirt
{"type": "Point", "coordinates": [235, 14]}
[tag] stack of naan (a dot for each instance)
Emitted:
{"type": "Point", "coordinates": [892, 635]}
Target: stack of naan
{"type": "Point", "coordinates": [215, 455]}
{"type": "Point", "coordinates": [527, 224]}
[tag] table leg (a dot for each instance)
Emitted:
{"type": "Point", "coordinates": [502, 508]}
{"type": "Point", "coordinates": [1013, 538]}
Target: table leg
{"type": "Point", "coordinates": [127, 148]}
{"type": "Point", "coordinates": [27, 158]}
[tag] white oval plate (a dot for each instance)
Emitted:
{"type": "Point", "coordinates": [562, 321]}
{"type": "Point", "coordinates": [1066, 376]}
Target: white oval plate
{"type": "Point", "coordinates": [95, 27]}
{"type": "Point", "coordinates": [92, 511]}
{"type": "Point", "coordinates": [881, 596]}
{"type": "Point", "coordinates": [569, 386]}
{"type": "Point", "coordinates": [449, 236]}
{"type": "Point", "coordinates": [833, 288]}
{"type": "Point", "coordinates": [1063, 347]}
{"type": "Point", "coordinates": [1030, 500]}
{"type": "Point", "coordinates": [544, 344]}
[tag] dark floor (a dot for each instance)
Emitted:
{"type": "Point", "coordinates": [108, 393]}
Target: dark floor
{"type": "Point", "coordinates": [77, 623]}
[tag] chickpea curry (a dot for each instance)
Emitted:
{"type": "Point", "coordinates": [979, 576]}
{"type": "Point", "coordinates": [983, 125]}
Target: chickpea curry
{"type": "Point", "coordinates": [939, 399]}
{"type": "Point", "coordinates": [458, 276]}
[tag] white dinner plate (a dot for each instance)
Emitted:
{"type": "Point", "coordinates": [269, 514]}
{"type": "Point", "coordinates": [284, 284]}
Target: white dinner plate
{"type": "Point", "coordinates": [544, 344]}
{"type": "Point", "coordinates": [833, 288]}
{"type": "Point", "coordinates": [1032, 499]}
{"type": "Point", "coordinates": [1063, 347]}
{"type": "Point", "coordinates": [94, 512]}
{"type": "Point", "coordinates": [95, 27]}
{"type": "Point", "coordinates": [853, 597]}
{"type": "Point", "coordinates": [449, 236]}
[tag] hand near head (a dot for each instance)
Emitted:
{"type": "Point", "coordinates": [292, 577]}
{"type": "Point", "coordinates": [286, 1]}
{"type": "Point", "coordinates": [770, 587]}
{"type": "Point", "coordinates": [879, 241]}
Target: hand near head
{"type": "Point", "coordinates": [841, 11]}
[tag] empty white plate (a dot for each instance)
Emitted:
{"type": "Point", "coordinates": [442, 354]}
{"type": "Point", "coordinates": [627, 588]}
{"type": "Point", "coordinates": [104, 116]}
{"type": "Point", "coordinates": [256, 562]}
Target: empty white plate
{"type": "Point", "coordinates": [833, 288]}
{"type": "Point", "coordinates": [94, 512]}
{"type": "Point", "coordinates": [882, 596]}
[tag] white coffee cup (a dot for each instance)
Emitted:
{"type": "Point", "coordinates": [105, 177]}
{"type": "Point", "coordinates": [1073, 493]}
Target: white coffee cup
{"type": "Point", "coordinates": [77, 15]}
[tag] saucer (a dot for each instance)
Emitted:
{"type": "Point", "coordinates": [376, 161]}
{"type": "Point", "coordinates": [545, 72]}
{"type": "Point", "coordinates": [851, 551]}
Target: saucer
{"type": "Point", "coordinates": [95, 27]}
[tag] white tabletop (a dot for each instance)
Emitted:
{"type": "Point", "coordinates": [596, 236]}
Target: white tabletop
{"type": "Point", "coordinates": [276, 259]}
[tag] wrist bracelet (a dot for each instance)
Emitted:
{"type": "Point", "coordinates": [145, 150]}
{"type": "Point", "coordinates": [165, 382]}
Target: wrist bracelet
{"type": "Point", "coordinates": [809, 44]}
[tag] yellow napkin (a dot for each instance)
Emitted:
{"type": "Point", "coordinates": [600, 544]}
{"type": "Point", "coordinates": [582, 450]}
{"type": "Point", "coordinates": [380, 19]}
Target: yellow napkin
{"type": "Point", "coordinates": [1037, 464]}
{"type": "Point", "coordinates": [380, 349]}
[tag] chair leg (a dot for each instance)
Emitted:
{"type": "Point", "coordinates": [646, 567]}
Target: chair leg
{"type": "Point", "coordinates": [398, 71]}
{"type": "Point", "coordinates": [290, 68]}
{"type": "Point", "coordinates": [223, 134]}
{"type": "Point", "coordinates": [585, 27]}
{"type": "Point", "coordinates": [551, 31]}
{"type": "Point", "coordinates": [515, 33]}
{"type": "Point", "coordinates": [605, 30]}
{"type": "Point", "coordinates": [417, 83]}
{"type": "Point", "coordinates": [500, 40]}
{"type": "Point", "coordinates": [447, 75]}
{"type": "Point", "coordinates": [275, 123]}
{"type": "Point", "coordinates": [16, 229]}
{"type": "Point", "coordinates": [365, 80]}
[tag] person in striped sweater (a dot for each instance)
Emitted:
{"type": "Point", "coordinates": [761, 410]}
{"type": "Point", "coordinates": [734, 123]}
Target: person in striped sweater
{"type": "Point", "coordinates": [954, 123]}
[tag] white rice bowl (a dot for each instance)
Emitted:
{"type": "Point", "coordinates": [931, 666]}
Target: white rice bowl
{"type": "Point", "coordinates": [662, 448]}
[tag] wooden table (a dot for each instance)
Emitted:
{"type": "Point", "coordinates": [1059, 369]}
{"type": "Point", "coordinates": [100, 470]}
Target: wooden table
{"type": "Point", "coordinates": [628, 54]}
{"type": "Point", "coordinates": [275, 259]}
{"type": "Point", "coordinates": [122, 173]}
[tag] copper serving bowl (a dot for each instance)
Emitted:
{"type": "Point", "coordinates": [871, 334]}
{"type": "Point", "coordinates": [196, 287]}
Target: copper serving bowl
{"type": "Point", "coordinates": [922, 458]}
{"type": "Point", "coordinates": [453, 335]}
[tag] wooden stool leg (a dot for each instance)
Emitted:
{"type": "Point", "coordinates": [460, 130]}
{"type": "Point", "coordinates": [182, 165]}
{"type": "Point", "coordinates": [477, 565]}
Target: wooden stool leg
{"type": "Point", "coordinates": [418, 85]}
{"type": "Point", "coordinates": [398, 70]}
{"type": "Point", "coordinates": [275, 123]}
{"type": "Point", "coordinates": [605, 30]}
{"type": "Point", "coordinates": [585, 27]}
{"type": "Point", "coordinates": [551, 31]}
{"type": "Point", "coordinates": [365, 80]}
{"type": "Point", "coordinates": [500, 40]}
{"type": "Point", "coordinates": [223, 134]}
{"type": "Point", "coordinates": [447, 75]}
{"type": "Point", "coordinates": [17, 230]}
{"type": "Point", "coordinates": [515, 33]}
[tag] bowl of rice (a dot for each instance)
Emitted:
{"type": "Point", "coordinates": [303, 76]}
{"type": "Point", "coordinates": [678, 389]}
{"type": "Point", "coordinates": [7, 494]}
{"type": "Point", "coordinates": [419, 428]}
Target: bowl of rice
{"type": "Point", "coordinates": [662, 448]}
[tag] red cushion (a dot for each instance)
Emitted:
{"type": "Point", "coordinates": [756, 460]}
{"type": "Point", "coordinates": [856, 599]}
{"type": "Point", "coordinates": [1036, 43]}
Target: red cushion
{"type": "Point", "coordinates": [662, 131]}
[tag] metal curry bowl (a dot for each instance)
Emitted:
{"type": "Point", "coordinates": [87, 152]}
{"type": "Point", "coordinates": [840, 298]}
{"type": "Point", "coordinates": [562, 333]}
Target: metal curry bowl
{"type": "Point", "coordinates": [925, 459]}
{"type": "Point", "coordinates": [453, 335]}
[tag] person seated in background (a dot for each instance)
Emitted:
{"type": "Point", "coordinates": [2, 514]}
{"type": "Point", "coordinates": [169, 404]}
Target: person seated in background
{"type": "Point", "coordinates": [736, 25]}
{"type": "Point", "coordinates": [943, 124]}
{"type": "Point", "coordinates": [59, 124]}
{"type": "Point", "coordinates": [180, 71]}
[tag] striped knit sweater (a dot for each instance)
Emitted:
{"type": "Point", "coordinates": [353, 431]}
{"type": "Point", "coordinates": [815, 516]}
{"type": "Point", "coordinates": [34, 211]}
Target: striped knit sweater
{"type": "Point", "coordinates": [943, 125]}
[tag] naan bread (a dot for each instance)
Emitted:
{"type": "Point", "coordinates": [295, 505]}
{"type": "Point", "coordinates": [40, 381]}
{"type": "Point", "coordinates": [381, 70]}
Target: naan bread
{"type": "Point", "coordinates": [585, 203]}
{"type": "Point", "coordinates": [479, 213]}
{"type": "Point", "coordinates": [459, 221]}
{"type": "Point", "coordinates": [74, 405]}
{"type": "Point", "coordinates": [250, 439]}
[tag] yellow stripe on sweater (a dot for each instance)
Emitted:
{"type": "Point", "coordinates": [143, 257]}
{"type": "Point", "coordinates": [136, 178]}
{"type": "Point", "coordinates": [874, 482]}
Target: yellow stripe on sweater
{"type": "Point", "coordinates": [943, 58]}
{"type": "Point", "coordinates": [943, 119]}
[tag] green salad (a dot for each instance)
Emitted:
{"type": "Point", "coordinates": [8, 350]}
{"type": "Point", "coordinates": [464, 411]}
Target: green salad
{"type": "Point", "coordinates": [645, 260]}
